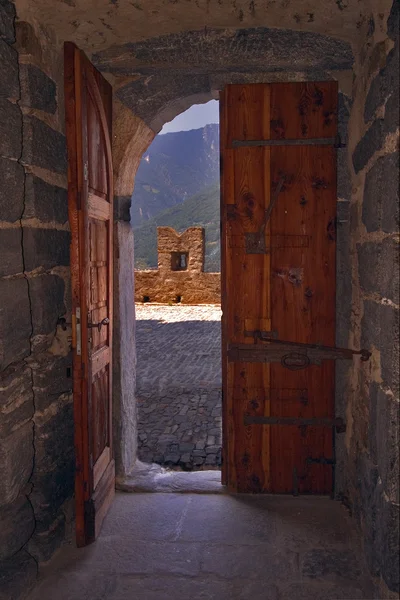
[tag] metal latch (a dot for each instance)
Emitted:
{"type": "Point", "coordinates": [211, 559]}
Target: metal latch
{"type": "Point", "coordinates": [99, 325]}
{"type": "Point", "coordinates": [292, 355]}
{"type": "Point", "coordinates": [76, 331]}
{"type": "Point", "coordinates": [255, 241]}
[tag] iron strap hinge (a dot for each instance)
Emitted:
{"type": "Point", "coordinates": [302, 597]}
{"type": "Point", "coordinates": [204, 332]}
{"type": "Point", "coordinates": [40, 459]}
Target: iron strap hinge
{"type": "Point", "coordinates": [332, 141]}
{"type": "Point", "coordinates": [292, 355]}
{"type": "Point", "coordinates": [337, 423]}
{"type": "Point", "coordinates": [320, 461]}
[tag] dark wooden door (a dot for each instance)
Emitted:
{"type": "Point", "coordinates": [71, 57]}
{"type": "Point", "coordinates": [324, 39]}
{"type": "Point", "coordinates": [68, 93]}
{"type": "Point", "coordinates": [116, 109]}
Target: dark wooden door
{"type": "Point", "coordinates": [278, 209]}
{"type": "Point", "coordinates": [88, 109]}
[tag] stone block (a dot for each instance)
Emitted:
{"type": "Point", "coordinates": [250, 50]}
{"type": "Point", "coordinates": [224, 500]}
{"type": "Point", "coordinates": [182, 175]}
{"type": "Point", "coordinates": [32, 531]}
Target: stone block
{"type": "Point", "coordinates": [11, 190]}
{"type": "Point", "coordinates": [53, 478]}
{"type": "Point", "coordinates": [378, 265]}
{"type": "Point", "coordinates": [389, 546]}
{"type": "Point", "coordinates": [389, 270]}
{"type": "Point", "coordinates": [43, 545]}
{"type": "Point", "coordinates": [368, 263]}
{"type": "Point", "coordinates": [52, 377]}
{"type": "Point", "coordinates": [366, 508]}
{"type": "Point", "coordinates": [381, 195]}
{"type": "Point", "coordinates": [37, 89]}
{"type": "Point", "coordinates": [48, 203]}
{"type": "Point", "coordinates": [16, 449]}
{"type": "Point", "coordinates": [7, 16]}
{"type": "Point", "coordinates": [47, 302]}
{"type": "Point", "coordinates": [172, 459]}
{"type": "Point", "coordinates": [15, 325]}
{"type": "Point", "coordinates": [11, 251]}
{"type": "Point", "coordinates": [384, 421]}
{"type": "Point", "coordinates": [383, 85]}
{"type": "Point", "coordinates": [344, 105]}
{"type": "Point", "coordinates": [17, 523]}
{"type": "Point", "coordinates": [370, 143]}
{"type": "Point", "coordinates": [17, 575]}
{"type": "Point", "coordinates": [10, 129]}
{"type": "Point", "coordinates": [43, 146]}
{"type": "Point", "coordinates": [370, 325]}
{"type": "Point", "coordinates": [390, 347]}
{"type": "Point", "coordinates": [393, 21]}
{"type": "Point", "coordinates": [45, 248]}
{"type": "Point", "coordinates": [392, 118]}
{"type": "Point", "coordinates": [8, 71]}
{"type": "Point", "coordinates": [16, 398]}
{"type": "Point", "coordinates": [380, 328]}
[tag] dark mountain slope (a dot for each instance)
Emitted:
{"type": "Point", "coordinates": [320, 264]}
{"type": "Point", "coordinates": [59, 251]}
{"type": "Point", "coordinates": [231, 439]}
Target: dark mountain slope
{"type": "Point", "coordinates": [175, 167]}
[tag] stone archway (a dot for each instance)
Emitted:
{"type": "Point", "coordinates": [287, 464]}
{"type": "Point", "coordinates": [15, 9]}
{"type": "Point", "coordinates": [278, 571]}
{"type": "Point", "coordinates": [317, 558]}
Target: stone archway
{"type": "Point", "coordinates": [151, 88]}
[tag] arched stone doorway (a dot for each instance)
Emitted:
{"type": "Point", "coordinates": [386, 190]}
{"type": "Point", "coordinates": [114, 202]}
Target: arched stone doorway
{"type": "Point", "coordinates": [148, 93]}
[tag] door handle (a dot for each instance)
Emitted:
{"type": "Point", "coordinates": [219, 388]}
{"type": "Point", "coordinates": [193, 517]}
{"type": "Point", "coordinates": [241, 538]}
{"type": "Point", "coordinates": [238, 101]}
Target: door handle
{"type": "Point", "coordinates": [104, 321]}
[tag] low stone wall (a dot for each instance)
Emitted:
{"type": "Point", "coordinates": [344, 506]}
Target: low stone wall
{"type": "Point", "coordinates": [180, 276]}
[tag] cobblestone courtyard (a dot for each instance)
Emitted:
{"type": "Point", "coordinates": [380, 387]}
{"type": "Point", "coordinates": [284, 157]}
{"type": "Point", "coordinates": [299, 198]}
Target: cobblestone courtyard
{"type": "Point", "coordinates": [179, 385]}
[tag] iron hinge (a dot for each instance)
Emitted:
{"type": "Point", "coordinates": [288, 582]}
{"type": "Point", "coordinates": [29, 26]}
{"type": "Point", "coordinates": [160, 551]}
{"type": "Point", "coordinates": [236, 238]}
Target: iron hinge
{"type": "Point", "coordinates": [320, 461]}
{"type": "Point", "coordinates": [332, 141]}
{"type": "Point", "coordinates": [337, 423]}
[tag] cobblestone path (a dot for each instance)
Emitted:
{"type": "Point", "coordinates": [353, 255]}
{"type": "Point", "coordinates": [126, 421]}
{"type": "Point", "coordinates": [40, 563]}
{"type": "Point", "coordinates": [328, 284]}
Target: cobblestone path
{"type": "Point", "coordinates": [179, 385]}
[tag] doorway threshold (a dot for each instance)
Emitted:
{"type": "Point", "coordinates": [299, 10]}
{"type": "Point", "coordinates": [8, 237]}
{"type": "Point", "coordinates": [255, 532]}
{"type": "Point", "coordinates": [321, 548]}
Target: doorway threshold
{"type": "Point", "coordinates": [154, 478]}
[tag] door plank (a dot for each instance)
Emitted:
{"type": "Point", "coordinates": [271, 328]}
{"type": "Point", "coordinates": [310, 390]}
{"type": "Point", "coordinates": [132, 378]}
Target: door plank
{"type": "Point", "coordinates": [247, 187]}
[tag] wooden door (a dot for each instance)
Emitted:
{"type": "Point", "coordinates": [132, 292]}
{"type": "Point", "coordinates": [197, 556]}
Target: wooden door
{"type": "Point", "coordinates": [88, 109]}
{"type": "Point", "coordinates": [278, 270]}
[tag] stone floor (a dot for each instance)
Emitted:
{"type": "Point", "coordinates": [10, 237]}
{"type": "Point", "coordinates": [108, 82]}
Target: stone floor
{"type": "Point", "coordinates": [221, 547]}
{"type": "Point", "coordinates": [179, 385]}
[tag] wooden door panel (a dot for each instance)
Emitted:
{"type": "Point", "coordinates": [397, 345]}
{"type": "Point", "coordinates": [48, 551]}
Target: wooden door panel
{"type": "Point", "coordinates": [88, 126]}
{"type": "Point", "coordinates": [286, 290]}
{"type": "Point", "coordinates": [100, 408]}
{"type": "Point", "coordinates": [303, 110]}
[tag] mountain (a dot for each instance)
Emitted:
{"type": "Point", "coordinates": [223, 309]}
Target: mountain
{"type": "Point", "coordinates": [199, 210]}
{"type": "Point", "coordinates": [175, 167]}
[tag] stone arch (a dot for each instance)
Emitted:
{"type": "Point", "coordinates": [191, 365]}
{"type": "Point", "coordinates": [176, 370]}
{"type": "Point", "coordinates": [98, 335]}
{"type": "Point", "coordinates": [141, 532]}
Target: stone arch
{"type": "Point", "coordinates": [154, 81]}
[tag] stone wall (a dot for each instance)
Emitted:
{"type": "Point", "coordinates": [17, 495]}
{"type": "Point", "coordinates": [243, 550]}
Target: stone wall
{"type": "Point", "coordinates": [36, 422]}
{"type": "Point", "coordinates": [173, 282]}
{"type": "Point", "coordinates": [371, 463]}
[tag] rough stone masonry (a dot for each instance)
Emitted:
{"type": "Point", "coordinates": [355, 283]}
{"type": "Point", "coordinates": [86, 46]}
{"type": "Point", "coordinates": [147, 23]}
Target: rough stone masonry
{"type": "Point", "coordinates": [161, 58]}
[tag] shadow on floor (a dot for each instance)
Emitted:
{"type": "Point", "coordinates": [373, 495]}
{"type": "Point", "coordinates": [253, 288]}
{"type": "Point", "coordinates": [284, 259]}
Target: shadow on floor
{"type": "Point", "coordinates": [192, 547]}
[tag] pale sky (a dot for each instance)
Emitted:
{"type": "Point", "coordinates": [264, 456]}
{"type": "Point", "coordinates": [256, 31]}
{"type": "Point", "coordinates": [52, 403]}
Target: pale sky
{"type": "Point", "coordinates": [194, 118]}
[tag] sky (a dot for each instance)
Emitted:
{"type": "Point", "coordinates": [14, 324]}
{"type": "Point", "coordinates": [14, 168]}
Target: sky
{"type": "Point", "coordinates": [195, 117]}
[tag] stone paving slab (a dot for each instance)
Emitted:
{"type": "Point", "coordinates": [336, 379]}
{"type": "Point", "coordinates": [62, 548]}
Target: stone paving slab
{"type": "Point", "coordinates": [179, 385]}
{"type": "Point", "coordinates": [215, 547]}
